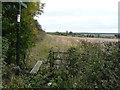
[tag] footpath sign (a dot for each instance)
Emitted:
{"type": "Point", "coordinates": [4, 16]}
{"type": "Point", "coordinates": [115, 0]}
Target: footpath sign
{"type": "Point", "coordinates": [24, 5]}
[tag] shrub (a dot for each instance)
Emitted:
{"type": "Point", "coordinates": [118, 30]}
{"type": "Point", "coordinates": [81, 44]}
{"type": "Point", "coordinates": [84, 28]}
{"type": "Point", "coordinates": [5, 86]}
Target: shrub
{"type": "Point", "coordinates": [89, 66]}
{"type": "Point", "coordinates": [85, 66]}
{"type": "Point", "coordinates": [5, 46]}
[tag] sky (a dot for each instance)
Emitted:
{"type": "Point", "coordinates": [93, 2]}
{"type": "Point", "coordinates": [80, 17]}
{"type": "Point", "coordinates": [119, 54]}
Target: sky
{"type": "Point", "coordinates": [93, 16]}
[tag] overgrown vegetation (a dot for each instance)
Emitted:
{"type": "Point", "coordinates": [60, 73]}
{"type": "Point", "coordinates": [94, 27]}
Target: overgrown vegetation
{"type": "Point", "coordinates": [28, 34]}
{"type": "Point", "coordinates": [28, 30]}
{"type": "Point", "coordinates": [85, 66]}
{"type": "Point", "coordinates": [89, 66]}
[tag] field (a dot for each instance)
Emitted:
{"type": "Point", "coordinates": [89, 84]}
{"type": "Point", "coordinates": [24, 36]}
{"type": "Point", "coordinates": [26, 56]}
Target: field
{"type": "Point", "coordinates": [61, 43]}
{"type": "Point", "coordinates": [92, 64]}
{"type": "Point", "coordinates": [69, 62]}
{"type": "Point", "coordinates": [76, 40]}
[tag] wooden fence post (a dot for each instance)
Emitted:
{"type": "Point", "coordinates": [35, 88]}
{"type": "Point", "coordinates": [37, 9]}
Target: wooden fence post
{"type": "Point", "coordinates": [51, 59]}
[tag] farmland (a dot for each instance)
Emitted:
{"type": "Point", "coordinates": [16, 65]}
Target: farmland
{"type": "Point", "coordinates": [62, 43]}
{"type": "Point", "coordinates": [65, 39]}
{"type": "Point", "coordinates": [66, 59]}
{"type": "Point", "coordinates": [82, 34]}
{"type": "Point", "coordinates": [91, 65]}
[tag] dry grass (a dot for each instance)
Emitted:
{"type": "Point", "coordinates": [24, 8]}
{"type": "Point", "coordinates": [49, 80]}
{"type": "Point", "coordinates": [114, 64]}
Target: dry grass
{"type": "Point", "coordinates": [62, 43]}
{"type": "Point", "coordinates": [74, 39]}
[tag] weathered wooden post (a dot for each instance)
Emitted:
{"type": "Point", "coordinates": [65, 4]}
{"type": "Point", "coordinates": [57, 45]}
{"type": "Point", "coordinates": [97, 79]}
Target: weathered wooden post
{"type": "Point", "coordinates": [36, 67]}
{"type": "Point", "coordinates": [51, 58]}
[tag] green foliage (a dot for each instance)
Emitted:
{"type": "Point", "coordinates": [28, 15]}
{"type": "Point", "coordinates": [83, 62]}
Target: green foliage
{"type": "Point", "coordinates": [28, 29]}
{"type": "Point", "coordinates": [89, 66]}
{"type": "Point", "coordinates": [5, 47]}
{"type": "Point", "coordinates": [28, 33]}
{"type": "Point", "coordinates": [8, 74]}
{"type": "Point", "coordinates": [85, 66]}
{"type": "Point", "coordinates": [38, 80]}
{"type": "Point", "coordinates": [57, 33]}
{"type": "Point", "coordinates": [34, 80]}
{"type": "Point", "coordinates": [117, 35]}
{"type": "Point", "coordinates": [70, 32]}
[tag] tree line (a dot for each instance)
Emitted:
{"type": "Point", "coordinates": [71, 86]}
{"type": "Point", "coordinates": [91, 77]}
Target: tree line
{"type": "Point", "coordinates": [92, 35]}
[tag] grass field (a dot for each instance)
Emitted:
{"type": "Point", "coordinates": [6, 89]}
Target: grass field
{"type": "Point", "coordinates": [41, 50]}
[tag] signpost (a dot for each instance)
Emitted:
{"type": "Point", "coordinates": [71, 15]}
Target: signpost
{"type": "Point", "coordinates": [18, 32]}
{"type": "Point", "coordinates": [23, 4]}
{"type": "Point", "coordinates": [19, 11]}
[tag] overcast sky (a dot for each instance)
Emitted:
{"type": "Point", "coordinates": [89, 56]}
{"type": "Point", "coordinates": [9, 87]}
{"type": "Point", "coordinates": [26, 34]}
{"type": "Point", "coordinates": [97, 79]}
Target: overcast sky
{"type": "Point", "coordinates": [80, 16]}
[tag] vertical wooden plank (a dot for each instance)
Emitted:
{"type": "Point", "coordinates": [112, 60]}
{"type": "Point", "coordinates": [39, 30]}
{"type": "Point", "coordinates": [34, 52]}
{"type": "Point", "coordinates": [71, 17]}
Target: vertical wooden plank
{"type": "Point", "coordinates": [36, 67]}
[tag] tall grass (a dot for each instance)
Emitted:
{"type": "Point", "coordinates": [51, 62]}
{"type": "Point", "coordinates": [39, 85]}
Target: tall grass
{"type": "Point", "coordinates": [41, 50]}
{"type": "Point", "coordinates": [90, 66]}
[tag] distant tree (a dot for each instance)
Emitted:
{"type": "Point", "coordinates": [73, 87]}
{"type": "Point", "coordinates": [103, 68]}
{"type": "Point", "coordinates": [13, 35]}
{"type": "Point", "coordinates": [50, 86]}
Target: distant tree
{"type": "Point", "coordinates": [117, 35]}
{"type": "Point", "coordinates": [87, 35]}
{"type": "Point", "coordinates": [98, 35]}
{"type": "Point", "coordinates": [66, 33]}
{"type": "Point", "coordinates": [73, 34]}
{"type": "Point", "coordinates": [57, 33]}
{"type": "Point", "coordinates": [81, 35]}
{"type": "Point", "coordinates": [92, 35]}
{"type": "Point", "coordinates": [61, 33]}
{"type": "Point", "coordinates": [70, 33]}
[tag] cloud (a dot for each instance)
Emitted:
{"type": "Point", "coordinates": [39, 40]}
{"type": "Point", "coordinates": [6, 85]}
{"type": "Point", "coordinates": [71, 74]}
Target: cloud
{"type": "Point", "coordinates": [79, 15]}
